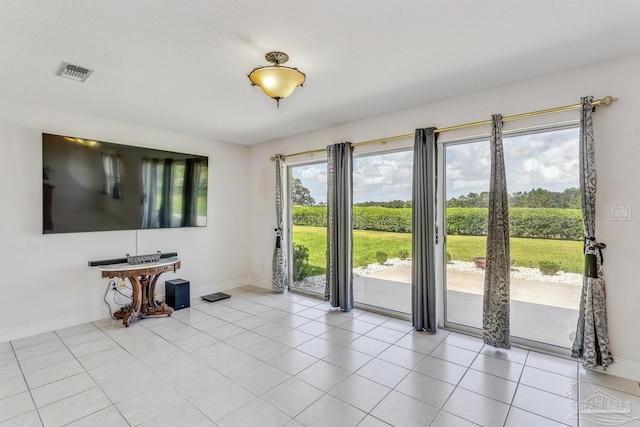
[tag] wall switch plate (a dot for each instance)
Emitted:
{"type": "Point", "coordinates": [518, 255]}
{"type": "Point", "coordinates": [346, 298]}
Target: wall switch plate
{"type": "Point", "coordinates": [621, 213]}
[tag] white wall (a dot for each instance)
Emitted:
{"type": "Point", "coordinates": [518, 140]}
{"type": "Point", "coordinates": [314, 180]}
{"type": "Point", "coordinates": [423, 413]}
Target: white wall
{"type": "Point", "coordinates": [617, 153]}
{"type": "Point", "coordinates": [46, 283]}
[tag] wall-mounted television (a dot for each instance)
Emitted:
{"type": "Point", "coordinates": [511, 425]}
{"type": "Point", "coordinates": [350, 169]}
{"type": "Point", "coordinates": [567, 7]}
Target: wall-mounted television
{"type": "Point", "coordinates": [91, 185]}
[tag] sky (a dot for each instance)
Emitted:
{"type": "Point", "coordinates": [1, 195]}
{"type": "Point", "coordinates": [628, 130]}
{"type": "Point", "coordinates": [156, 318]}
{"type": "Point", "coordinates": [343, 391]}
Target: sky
{"type": "Point", "coordinates": [314, 177]}
{"type": "Point", "coordinates": [375, 178]}
{"type": "Point", "coordinates": [546, 160]}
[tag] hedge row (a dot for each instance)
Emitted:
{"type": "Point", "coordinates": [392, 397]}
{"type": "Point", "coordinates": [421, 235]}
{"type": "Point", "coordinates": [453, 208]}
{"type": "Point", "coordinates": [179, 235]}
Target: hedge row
{"type": "Point", "coordinates": [396, 220]}
{"type": "Point", "coordinates": [310, 216]}
{"type": "Point", "coordinates": [541, 223]}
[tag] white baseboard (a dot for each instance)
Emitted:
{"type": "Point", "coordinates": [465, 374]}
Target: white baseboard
{"type": "Point", "coordinates": [217, 287]}
{"type": "Point", "coordinates": [262, 283]}
{"type": "Point", "coordinates": [53, 324]}
{"type": "Point", "coordinates": [42, 326]}
{"type": "Point", "coordinates": [623, 368]}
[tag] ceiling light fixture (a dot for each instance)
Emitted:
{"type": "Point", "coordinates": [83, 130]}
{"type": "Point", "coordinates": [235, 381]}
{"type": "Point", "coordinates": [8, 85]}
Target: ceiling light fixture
{"type": "Point", "coordinates": [275, 80]}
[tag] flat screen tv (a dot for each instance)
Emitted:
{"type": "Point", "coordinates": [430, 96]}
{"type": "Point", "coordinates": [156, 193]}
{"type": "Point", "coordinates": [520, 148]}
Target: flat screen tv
{"type": "Point", "coordinates": [91, 185]}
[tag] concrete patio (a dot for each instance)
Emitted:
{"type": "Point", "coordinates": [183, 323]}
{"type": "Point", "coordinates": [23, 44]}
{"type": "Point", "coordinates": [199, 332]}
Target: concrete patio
{"type": "Point", "coordinates": [540, 311]}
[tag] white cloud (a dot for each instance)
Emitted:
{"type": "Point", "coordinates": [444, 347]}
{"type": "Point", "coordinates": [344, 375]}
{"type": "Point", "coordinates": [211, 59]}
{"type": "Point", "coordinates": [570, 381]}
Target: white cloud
{"type": "Point", "coordinates": [546, 160]}
{"type": "Point", "coordinates": [468, 168]}
{"type": "Point", "coordinates": [314, 177]}
{"type": "Point", "coordinates": [383, 177]}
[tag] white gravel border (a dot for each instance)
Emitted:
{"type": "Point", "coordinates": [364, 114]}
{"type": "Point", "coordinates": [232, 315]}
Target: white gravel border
{"type": "Point", "coordinates": [521, 273]}
{"type": "Point", "coordinates": [315, 282]}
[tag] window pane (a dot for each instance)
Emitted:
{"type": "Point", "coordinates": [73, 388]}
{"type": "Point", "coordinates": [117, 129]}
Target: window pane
{"type": "Point", "coordinates": [466, 194]}
{"type": "Point", "coordinates": [382, 185]}
{"type": "Point", "coordinates": [545, 233]}
{"type": "Point", "coordinates": [308, 192]}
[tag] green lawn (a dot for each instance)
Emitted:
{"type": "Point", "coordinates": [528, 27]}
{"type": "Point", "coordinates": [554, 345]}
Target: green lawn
{"type": "Point", "coordinates": [526, 252]}
{"type": "Point", "coordinates": [314, 239]}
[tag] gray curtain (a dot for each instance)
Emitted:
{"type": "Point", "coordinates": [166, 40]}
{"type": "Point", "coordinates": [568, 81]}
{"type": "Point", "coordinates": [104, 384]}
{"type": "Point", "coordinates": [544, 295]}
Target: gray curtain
{"type": "Point", "coordinates": [592, 338]}
{"type": "Point", "coordinates": [339, 286]}
{"type": "Point", "coordinates": [423, 291]}
{"type": "Point", "coordinates": [107, 174]}
{"type": "Point", "coordinates": [495, 315]}
{"type": "Point", "coordinates": [189, 216]}
{"type": "Point", "coordinates": [166, 201]}
{"type": "Point", "coordinates": [150, 197]}
{"type": "Point", "coordinates": [280, 270]}
{"type": "Point", "coordinates": [115, 193]}
{"type": "Point", "coordinates": [111, 175]}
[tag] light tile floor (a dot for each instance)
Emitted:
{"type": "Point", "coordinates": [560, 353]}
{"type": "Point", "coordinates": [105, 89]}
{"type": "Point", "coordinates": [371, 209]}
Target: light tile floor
{"type": "Point", "coordinates": [265, 359]}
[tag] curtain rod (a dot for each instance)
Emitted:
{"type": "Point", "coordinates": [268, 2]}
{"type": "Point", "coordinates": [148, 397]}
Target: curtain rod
{"type": "Point", "coordinates": [607, 100]}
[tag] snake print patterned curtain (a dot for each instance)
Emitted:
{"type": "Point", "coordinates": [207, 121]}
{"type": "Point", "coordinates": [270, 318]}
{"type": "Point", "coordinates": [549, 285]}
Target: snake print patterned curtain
{"type": "Point", "coordinates": [592, 337]}
{"type": "Point", "coordinates": [497, 279]}
{"type": "Point", "coordinates": [280, 271]}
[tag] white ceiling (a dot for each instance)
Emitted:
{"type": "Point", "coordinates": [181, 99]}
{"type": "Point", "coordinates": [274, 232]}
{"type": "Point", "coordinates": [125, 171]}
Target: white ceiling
{"type": "Point", "coordinates": [182, 65]}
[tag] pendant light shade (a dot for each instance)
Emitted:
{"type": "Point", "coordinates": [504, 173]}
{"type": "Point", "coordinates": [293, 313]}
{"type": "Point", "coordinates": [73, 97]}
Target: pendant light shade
{"type": "Point", "coordinates": [277, 81]}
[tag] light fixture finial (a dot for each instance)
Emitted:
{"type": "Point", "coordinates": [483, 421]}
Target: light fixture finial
{"type": "Point", "coordinates": [277, 81]}
{"type": "Point", "coordinates": [277, 58]}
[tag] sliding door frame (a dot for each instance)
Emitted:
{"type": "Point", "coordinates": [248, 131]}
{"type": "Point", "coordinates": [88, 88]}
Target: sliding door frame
{"type": "Point", "coordinates": [367, 151]}
{"type": "Point", "coordinates": [289, 225]}
{"type": "Point", "coordinates": [441, 247]}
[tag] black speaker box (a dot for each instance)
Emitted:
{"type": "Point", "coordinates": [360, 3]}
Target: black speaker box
{"type": "Point", "coordinates": [177, 293]}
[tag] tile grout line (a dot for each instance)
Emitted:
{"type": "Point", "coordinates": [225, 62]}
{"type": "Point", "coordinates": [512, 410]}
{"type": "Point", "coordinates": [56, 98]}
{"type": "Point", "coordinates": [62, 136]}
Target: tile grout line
{"type": "Point", "coordinates": [90, 376]}
{"type": "Point", "coordinates": [26, 384]}
{"type": "Point", "coordinates": [317, 332]}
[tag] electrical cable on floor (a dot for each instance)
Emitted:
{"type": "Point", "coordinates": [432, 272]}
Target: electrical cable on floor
{"type": "Point", "coordinates": [112, 286]}
{"type": "Point", "coordinates": [109, 286]}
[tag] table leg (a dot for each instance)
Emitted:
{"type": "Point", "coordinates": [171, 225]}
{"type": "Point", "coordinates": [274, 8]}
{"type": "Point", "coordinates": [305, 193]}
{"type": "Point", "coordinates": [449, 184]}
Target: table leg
{"type": "Point", "coordinates": [131, 311]}
{"type": "Point", "coordinates": [156, 309]}
{"type": "Point", "coordinates": [144, 294]}
{"type": "Point", "coordinates": [143, 302]}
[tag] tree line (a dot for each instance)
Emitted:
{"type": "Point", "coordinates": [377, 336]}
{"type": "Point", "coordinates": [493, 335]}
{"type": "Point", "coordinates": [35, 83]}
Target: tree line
{"type": "Point", "coordinates": [569, 198]}
{"type": "Point", "coordinates": [542, 223]}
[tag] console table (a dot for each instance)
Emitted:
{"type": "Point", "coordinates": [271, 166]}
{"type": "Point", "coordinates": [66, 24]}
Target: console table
{"type": "Point", "coordinates": [143, 278]}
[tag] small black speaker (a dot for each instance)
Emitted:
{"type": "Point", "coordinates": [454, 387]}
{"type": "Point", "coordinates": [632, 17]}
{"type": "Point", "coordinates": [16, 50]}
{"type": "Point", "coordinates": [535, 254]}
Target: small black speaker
{"type": "Point", "coordinates": [177, 293]}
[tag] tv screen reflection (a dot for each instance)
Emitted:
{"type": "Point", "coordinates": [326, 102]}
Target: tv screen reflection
{"type": "Point", "coordinates": [91, 185]}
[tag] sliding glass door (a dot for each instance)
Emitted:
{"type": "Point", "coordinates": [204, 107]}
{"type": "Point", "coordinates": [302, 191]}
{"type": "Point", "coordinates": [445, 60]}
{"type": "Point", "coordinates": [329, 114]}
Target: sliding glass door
{"type": "Point", "coordinates": [467, 173]}
{"type": "Point", "coordinates": [545, 233]}
{"type": "Point", "coordinates": [308, 201]}
{"type": "Point", "coordinates": [382, 186]}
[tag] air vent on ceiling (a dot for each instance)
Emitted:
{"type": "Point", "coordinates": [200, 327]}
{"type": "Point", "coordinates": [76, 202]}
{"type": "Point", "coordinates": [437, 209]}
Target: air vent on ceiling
{"type": "Point", "coordinates": [74, 72]}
